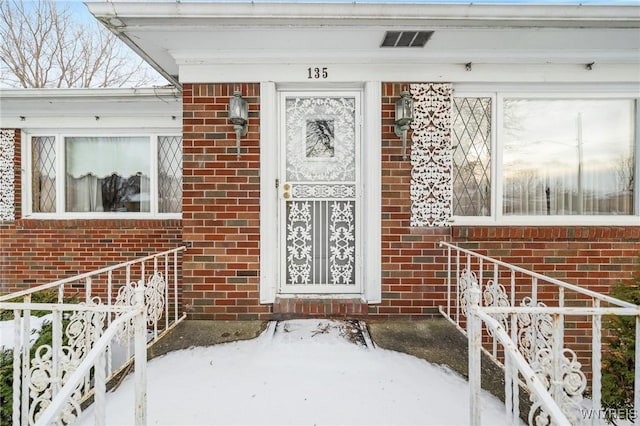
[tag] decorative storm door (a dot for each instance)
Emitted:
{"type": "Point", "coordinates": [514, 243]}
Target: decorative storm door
{"type": "Point", "coordinates": [320, 141]}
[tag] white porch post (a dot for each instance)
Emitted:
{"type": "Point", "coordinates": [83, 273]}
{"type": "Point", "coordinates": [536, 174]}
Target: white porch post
{"type": "Point", "coordinates": [474, 333]}
{"type": "Point", "coordinates": [268, 193]}
{"type": "Point", "coordinates": [371, 193]}
{"type": "Point", "coordinates": [140, 357]}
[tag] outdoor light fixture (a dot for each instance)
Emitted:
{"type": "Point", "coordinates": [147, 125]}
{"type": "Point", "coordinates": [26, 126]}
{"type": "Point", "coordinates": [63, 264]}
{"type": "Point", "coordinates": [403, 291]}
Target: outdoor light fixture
{"type": "Point", "coordinates": [238, 115]}
{"type": "Point", "coordinates": [404, 117]}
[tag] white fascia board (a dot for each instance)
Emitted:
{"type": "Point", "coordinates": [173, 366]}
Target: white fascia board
{"type": "Point", "coordinates": [480, 73]}
{"type": "Point", "coordinates": [118, 14]}
{"type": "Point", "coordinates": [133, 124]}
{"type": "Point", "coordinates": [142, 108]}
{"type": "Point", "coordinates": [403, 58]}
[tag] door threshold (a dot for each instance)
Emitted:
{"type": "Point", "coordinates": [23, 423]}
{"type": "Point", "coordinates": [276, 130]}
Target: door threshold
{"type": "Point", "coordinates": [307, 305]}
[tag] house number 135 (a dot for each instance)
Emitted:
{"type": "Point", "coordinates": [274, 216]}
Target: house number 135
{"type": "Point", "coordinates": [317, 73]}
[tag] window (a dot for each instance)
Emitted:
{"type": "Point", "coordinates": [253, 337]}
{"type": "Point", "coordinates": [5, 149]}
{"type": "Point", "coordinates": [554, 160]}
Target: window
{"type": "Point", "coordinates": [169, 174]}
{"type": "Point", "coordinates": [107, 174]}
{"type": "Point", "coordinates": [554, 157]}
{"type": "Point", "coordinates": [471, 133]}
{"type": "Point", "coordinates": [43, 155]}
{"type": "Point", "coordinates": [80, 175]}
{"type": "Point", "coordinates": [567, 157]}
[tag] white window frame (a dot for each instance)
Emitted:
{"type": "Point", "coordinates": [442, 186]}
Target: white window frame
{"type": "Point", "coordinates": [490, 219]}
{"type": "Point", "coordinates": [60, 135]}
{"type": "Point", "coordinates": [501, 92]}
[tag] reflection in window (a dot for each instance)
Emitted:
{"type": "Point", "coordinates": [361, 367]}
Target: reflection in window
{"type": "Point", "coordinates": [107, 174]}
{"type": "Point", "coordinates": [320, 138]}
{"type": "Point", "coordinates": [568, 157]}
{"type": "Point", "coordinates": [471, 136]}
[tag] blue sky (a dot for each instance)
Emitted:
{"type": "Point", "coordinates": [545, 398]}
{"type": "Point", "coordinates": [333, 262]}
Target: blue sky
{"type": "Point", "coordinates": [569, 2]}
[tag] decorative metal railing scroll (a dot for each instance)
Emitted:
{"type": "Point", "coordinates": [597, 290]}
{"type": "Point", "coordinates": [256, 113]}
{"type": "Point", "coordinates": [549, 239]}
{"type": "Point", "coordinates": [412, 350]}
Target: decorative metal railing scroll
{"type": "Point", "coordinates": [92, 340]}
{"type": "Point", "coordinates": [517, 317]}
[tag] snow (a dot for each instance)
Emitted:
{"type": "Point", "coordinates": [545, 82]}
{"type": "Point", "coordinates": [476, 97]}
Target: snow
{"type": "Point", "coordinates": [306, 373]}
{"type": "Point", "coordinates": [7, 330]}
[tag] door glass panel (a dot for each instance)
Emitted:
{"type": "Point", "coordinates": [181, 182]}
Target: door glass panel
{"type": "Point", "coordinates": [320, 136]}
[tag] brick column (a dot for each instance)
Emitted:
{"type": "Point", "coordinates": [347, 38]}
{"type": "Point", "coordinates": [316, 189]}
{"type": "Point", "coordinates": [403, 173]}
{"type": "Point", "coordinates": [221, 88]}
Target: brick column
{"type": "Point", "coordinates": [221, 202]}
{"type": "Point", "coordinates": [412, 264]}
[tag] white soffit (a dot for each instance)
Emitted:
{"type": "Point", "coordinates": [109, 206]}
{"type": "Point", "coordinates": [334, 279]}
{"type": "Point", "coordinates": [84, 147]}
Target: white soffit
{"type": "Point", "coordinates": [169, 35]}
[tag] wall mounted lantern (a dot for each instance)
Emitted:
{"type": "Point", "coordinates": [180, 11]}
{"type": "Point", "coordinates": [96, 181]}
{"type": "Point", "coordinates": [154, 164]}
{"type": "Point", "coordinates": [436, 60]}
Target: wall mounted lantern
{"type": "Point", "coordinates": [238, 115]}
{"type": "Point", "coordinates": [404, 117]}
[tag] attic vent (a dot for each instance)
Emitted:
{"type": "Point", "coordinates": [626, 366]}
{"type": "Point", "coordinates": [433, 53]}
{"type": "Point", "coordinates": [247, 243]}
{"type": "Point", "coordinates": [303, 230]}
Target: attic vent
{"type": "Point", "coordinates": [406, 38]}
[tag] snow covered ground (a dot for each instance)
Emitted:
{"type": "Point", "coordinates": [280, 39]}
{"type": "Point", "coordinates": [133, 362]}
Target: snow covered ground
{"type": "Point", "coordinates": [7, 330]}
{"type": "Point", "coordinates": [306, 373]}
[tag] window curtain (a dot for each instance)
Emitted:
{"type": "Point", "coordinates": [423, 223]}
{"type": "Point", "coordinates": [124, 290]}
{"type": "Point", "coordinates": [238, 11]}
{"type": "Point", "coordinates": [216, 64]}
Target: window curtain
{"type": "Point", "coordinates": [84, 194]}
{"type": "Point", "coordinates": [145, 191]}
{"type": "Point", "coordinates": [108, 174]}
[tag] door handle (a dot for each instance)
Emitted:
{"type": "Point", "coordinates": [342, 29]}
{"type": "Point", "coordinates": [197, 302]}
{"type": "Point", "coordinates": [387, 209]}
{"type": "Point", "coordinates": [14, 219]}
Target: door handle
{"type": "Point", "coordinates": [286, 188]}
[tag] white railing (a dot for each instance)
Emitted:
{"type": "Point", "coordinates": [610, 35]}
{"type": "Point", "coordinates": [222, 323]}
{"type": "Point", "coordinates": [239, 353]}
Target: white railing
{"type": "Point", "coordinates": [91, 340]}
{"type": "Point", "coordinates": [517, 317]}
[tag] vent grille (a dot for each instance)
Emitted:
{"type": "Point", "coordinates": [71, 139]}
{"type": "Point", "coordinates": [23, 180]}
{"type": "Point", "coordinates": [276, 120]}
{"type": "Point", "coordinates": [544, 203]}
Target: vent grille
{"type": "Point", "coordinates": [406, 38]}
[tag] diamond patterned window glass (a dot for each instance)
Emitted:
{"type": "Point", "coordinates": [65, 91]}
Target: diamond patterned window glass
{"type": "Point", "coordinates": [471, 138]}
{"type": "Point", "coordinates": [43, 154]}
{"type": "Point", "coordinates": [169, 174]}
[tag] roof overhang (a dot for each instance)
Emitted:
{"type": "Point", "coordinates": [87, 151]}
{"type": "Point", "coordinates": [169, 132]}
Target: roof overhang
{"type": "Point", "coordinates": [92, 108]}
{"type": "Point", "coordinates": [173, 36]}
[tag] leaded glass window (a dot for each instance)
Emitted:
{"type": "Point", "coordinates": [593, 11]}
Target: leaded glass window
{"type": "Point", "coordinates": [169, 174]}
{"type": "Point", "coordinates": [43, 174]}
{"type": "Point", "coordinates": [106, 174]}
{"type": "Point", "coordinates": [471, 138]}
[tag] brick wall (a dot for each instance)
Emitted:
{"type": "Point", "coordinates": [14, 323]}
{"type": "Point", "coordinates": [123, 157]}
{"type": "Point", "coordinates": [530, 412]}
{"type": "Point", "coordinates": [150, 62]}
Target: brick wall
{"type": "Point", "coordinates": [221, 219]}
{"type": "Point", "coordinates": [221, 222]}
{"type": "Point", "coordinates": [412, 266]}
{"type": "Point", "coordinates": [593, 257]}
{"type": "Point", "coordinates": [34, 252]}
{"type": "Point", "coordinates": [221, 202]}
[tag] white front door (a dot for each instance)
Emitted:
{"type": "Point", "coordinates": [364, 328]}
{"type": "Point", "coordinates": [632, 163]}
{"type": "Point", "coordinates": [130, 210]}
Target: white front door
{"type": "Point", "coordinates": [319, 192]}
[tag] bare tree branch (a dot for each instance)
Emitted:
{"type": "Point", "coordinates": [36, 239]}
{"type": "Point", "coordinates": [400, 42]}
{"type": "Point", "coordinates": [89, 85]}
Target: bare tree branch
{"type": "Point", "coordinates": [44, 46]}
